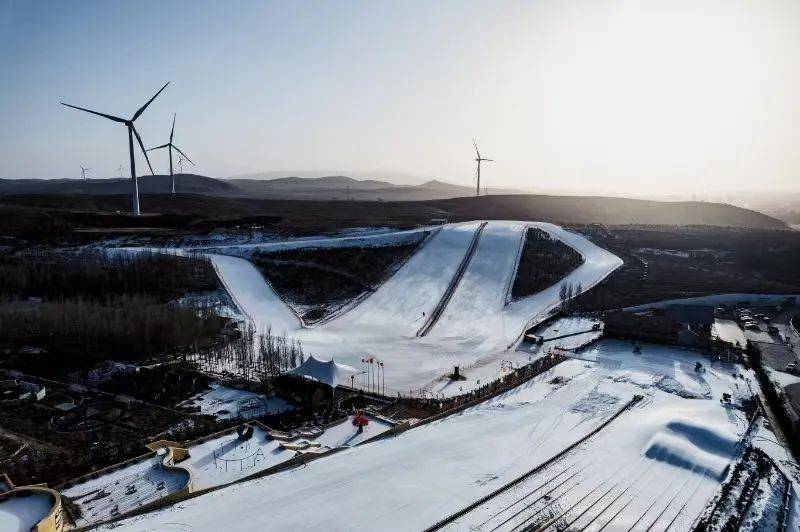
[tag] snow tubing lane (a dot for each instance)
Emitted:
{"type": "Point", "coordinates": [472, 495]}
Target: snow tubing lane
{"type": "Point", "coordinates": [451, 288]}
{"type": "Point", "coordinates": [464, 511]}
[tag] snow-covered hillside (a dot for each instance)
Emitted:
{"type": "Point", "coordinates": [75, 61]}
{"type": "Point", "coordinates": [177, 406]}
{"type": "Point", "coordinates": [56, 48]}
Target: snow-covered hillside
{"type": "Point", "coordinates": [474, 331]}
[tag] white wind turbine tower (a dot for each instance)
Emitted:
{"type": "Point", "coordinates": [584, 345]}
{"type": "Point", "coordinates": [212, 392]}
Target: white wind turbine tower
{"type": "Point", "coordinates": [120, 169]}
{"type": "Point", "coordinates": [479, 159]}
{"type": "Point", "coordinates": [83, 172]}
{"type": "Point", "coordinates": [170, 146]}
{"type": "Point", "coordinates": [131, 133]}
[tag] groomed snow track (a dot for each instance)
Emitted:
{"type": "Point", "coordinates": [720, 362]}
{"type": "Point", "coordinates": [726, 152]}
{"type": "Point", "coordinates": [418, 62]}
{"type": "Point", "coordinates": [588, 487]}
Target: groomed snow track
{"type": "Point", "coordinates": [451, 288]}
{"type": "Point", "coordinates": [464, 511]}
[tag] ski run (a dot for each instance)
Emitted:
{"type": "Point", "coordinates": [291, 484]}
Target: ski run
{"type": "Point", "coordinates": [476, 330]}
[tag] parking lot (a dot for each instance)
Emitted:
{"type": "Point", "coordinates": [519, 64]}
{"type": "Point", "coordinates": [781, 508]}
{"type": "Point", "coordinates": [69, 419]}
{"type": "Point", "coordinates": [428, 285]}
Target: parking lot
{"type": "Point", "coordinates": [769, 328]}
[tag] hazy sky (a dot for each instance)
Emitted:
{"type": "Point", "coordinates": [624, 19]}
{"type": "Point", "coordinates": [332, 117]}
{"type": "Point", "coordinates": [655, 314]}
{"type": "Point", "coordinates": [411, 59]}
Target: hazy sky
{"type": "Point", "coordinates": [613, 96]}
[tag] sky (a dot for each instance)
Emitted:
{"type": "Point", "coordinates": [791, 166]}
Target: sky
{"type": "Point", "coordinates": [619, 97]}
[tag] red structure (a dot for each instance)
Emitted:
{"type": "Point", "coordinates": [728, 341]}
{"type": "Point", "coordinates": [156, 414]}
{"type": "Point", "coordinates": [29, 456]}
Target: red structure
{"type": "Point", "coordinates": [360, 421]}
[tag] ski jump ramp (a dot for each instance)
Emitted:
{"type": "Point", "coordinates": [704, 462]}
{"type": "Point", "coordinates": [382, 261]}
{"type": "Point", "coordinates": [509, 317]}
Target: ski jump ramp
{"type": "Point", "coordinates": [463, 274]}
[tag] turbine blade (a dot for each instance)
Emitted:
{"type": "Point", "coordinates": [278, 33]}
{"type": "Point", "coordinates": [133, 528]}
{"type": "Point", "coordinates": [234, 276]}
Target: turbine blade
{"type": "Point", "coordinates": [110, 117]}
{"type": "Point", "coordinates": [184, 155]}
{"type": "Point", "coordinates": [144, 152]}
{"type": "Point", "coordinates": [159, 147]}
{"type": "Point", "coordinates": [172, 133]}
{"type": "Point", "coordinates": [141, 110]}
{"type": "Point", "coordinates": [491, 160]}
{"type": "Point", "coordinates": [476, 148]}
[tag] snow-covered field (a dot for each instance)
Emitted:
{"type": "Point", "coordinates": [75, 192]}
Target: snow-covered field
{"type": "Point", "coordinates": [226, 459]}
{"type": "Point", "coordinates": [215, 462]}
{"type": "Point", "coordinates": [781, 378]}
{"type": "Point", "coordinates": [21, 514]}
{"type": "Point", "coordinates": [658, 463]}
{"type": "Point", "coordinates": [475, 331]}
{"type": "Point", "coordinates": [124, 490]}
{"type": "Point", "coordinates": [728, 331]}
{"type": "Point", "coordinates": [225, 402]}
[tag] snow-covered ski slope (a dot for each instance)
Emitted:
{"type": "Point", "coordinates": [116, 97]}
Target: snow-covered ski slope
{"type": "Point", "coordinates": [475, 328]}
{"type": "Point", "coordinates": [669, 451]}
{"type": "Point", "coordinates": [476, 309]}
{"type": "Point", "coordinates": [416, 288]}
{"type": "Point", "coordinates": [253, 295]}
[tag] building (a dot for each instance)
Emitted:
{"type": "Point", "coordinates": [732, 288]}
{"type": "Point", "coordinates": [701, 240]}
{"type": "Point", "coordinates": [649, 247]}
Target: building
{"type": "Point", "coordinates": [696, 316]}
{"type": "Point", "coordinates": [314, 381]}
{"type": "Point", "coordinates": [644, 327]}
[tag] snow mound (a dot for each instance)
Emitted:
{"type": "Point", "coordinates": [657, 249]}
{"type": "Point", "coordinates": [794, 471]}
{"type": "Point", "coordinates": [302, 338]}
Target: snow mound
{"type": "Point", "coordinates": [681, 453]}
{"type": "Point", "coordinates": [687, 445]}
{"type": "Point", "coordinates": [711, 439]}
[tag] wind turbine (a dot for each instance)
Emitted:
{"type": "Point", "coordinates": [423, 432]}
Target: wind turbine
{"type": "Point", "coordinates": [83, 172]}
{"type": "Point", "coordinates": [479, 159]}
{"type": "Point", "coordinates": [180, 164]}
{"type": "Point", "coordinates": [131, 133]}
{"type": "Point", "coordinates": [170, 146]}
{"type": "Point", "coordinates": [120, 169]}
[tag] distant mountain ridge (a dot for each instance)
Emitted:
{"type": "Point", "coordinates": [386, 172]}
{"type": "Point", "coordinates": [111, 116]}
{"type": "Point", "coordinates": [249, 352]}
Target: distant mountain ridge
{"type": "Point", "coordinates": [434, 199]}
{"type": "Point", "coordinates": [149, 184]}
{"type": "Point", "coordinates": [332, 187]}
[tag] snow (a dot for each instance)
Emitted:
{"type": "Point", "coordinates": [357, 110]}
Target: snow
{"type": "Point", "coordinates": [766, 440]}
{"type": "Point", "coordinates": [226, 459]}
{"type": "Point", "coordinates": [476, 309]}
{"type": "Point", "coordinates": [254, 296]}
{"type": "Point", "coordinates": [225, 402]}
{"type": "Point", "coordinates": [782, 378]}
{"type": "Point", "coordinates": [20, 513]}
{"type": "Point", "coordinates": [378, 238]}
{"type": "Point", "coordinates": [728, 331]}
{"type": "Point", "coordinates": [663, 458]}
{"type": "Point", "coordinates": [125, 489]}
{"type": "Point", "coordinates": [416, 288]}
{"type": "Point", "coordinates": [474, 332]}
{"type": "Point", "coordinates": [565, 333]}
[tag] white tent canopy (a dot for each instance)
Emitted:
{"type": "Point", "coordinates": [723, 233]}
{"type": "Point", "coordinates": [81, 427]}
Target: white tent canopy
{"type": "Point", "coordinates": [331, 373]}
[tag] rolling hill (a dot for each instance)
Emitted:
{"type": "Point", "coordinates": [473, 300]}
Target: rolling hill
{"type": "Point", "coordinates": [198, 211]}
{"type": "Point", "coordinates": [333, 187]}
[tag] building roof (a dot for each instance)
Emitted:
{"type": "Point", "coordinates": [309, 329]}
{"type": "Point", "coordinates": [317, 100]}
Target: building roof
{"type": "Point", "coordinates": [329, 372]}
{"type": "Point", "coordinates": [702, 314]}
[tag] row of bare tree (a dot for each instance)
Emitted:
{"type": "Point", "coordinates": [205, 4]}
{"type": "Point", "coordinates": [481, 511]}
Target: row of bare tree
{"type": "Point", "coordinates": [251, 356]}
